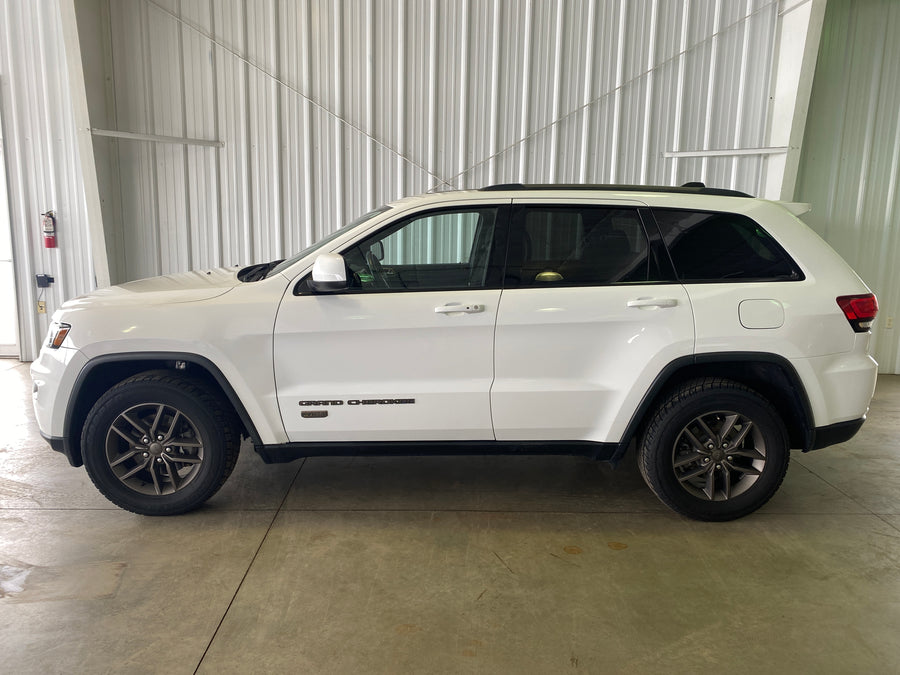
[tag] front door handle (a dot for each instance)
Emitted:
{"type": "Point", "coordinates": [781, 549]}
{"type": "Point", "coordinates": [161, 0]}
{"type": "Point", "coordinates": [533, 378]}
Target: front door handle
{"type": "Point", "coordinates": [652, 302]}
{"type": "Point", "coordinates": [455, 307]}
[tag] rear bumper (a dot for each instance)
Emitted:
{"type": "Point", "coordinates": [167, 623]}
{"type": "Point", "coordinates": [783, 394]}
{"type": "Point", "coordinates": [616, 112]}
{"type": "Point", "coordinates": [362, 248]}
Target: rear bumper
{"type": "Point", "coordinates": [835, 433]}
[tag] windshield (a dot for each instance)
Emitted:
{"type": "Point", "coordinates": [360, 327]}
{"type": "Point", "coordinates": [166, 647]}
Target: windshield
{"type": "Point", "coordinates": [322, 242]}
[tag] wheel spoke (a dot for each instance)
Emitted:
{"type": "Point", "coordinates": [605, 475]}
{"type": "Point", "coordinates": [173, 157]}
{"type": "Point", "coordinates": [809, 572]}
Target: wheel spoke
{"type": "Point", "coordinates": [727, 426]}
{"type": "Point", "coordinates": [752, 453]}
{"type": "Point", "coordinates": [135, 470]}
{"type": "Point", "coordinates": [694, 441]}
{"type": "Point", "coordinates": [689, 459]}
{"type": "Point", "coordinates": [183, 459]}
{"type": "Point", "coordinates": [699, 471]}
{"type": "Point", "coordinates": [156, 484]}
{"type": "Point", "coordinates": [748, 425]}
{"type": "Point", "coordinates": [124, 458]}
{"type": "Point", "coordinates": [141, 430]}
{"type": "Point", "coordinates": [173, 475]}
{"type": "Point", "coordinates": [748, 470]}
{"type": "Point", "coordinates": [726, 481]}
{"type": "Point", "coordinates": [706, 430]}
{"type": "Point", "coordinates": [128, 439]}
{"type": "Point", "coordinates": [156, 419]}
{"type": "Point", "coordinates": [710, 488]}
{"type": "Point", "coordinates": [175, 419]}
{"type": "Point", "coordinates": [186, 444]}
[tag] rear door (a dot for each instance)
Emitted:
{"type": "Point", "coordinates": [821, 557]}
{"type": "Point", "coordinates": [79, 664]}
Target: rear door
{"type": "Point", "coordinates": [589, 316]}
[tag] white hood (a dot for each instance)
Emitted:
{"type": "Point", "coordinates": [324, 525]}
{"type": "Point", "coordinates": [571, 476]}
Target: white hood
{"type": "Point", "coordinates": [181, 287]}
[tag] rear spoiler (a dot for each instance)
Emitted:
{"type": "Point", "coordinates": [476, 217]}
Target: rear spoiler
{"type": "Point", "coordinates": [797, 208]}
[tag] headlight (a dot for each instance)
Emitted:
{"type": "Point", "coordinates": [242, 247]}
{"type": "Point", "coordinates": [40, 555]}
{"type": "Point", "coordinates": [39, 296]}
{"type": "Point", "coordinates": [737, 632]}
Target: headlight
{"type": "Point", "coordinates": [57, 336]}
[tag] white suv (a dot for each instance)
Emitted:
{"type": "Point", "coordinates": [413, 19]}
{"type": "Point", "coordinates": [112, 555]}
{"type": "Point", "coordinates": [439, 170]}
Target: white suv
{"type": "Point", "coordinates": [713, 329]}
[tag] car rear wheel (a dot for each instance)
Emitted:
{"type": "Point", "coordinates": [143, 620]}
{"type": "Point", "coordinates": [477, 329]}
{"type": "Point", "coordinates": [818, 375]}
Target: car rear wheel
{"type": "Point", "coordinates": [714, 450]}
{"type": "Point", "coordinates": [159, 444]}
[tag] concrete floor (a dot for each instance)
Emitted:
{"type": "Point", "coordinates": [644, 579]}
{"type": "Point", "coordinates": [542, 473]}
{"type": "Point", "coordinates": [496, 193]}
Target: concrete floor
{"type": "Point", "coordinates": [445, 565]}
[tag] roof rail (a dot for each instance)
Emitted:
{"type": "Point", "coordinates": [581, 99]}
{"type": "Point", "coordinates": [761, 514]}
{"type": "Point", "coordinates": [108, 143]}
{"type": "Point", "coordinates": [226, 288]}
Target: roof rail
{"type": "Point", "coordinates": [687, 188]}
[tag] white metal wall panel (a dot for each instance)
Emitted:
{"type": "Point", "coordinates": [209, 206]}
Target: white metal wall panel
{"type": "Point", "coordinates": [327, 109]}
{"type": "Point", "coordinates": [42, 166]}
{"type": "Point", "coordinates": [330, 108]}
{"type": "Point", "coordinates": [850, 166]}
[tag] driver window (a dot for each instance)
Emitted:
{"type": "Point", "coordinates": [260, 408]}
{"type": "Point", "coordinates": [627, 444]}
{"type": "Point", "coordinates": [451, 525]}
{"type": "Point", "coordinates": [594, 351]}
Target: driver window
{"type": "Point", "coordinates": [440, 250]}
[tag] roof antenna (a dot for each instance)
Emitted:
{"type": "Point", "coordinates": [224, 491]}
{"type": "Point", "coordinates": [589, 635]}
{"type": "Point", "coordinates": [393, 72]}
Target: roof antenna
{"type": "Point", "coordinates": [694, 184]}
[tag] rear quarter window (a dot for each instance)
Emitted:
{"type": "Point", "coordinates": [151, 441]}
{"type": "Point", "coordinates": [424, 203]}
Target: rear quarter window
{"type": "Point", "coordinates": [706, 246]}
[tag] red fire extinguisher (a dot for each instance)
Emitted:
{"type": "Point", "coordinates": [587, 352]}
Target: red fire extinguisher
{"type": "Point", "coordinates": [48, 225]}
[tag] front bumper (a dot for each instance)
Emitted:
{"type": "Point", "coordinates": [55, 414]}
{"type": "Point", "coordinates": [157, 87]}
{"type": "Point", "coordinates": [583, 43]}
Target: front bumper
{"type": "Point", "coordinates": [62, 445]}
{"type": "Point", "coordinates": [53, 376]}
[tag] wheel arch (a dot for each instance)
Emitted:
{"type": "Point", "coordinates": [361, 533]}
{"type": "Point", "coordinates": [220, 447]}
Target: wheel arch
{"type": "Point", "coordinates": [772, 376]}
{"type": "Point", "coordinates": [103, 372]}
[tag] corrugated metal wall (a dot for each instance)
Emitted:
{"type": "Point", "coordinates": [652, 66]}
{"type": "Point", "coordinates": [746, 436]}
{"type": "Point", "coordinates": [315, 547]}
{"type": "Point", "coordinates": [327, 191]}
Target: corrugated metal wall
{"type": "Point", "coordinates": [327, 109]}
{"type": "Point", "coordinates": [299, 115]}
{"type": "Point", "coordinates": [850, 167]}
{"type": "Point", "coordinates": [42, 166]}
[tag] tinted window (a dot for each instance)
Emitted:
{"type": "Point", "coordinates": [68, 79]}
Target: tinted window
{"type": "Point", "coordinates": [714, 246]}
{"type": "Point", "coordinates": [582, 245]}
{"type": "Point", "coordinates": [446, 249]}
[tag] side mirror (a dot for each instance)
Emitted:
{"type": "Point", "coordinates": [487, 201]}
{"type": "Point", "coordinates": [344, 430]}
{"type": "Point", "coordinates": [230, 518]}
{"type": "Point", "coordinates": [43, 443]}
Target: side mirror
{"type": "Point", "coordinates": [329, 274]}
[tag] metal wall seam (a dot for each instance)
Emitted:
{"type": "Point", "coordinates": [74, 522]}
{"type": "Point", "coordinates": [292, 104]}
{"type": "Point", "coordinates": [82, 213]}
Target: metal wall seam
{"type": "Point", "coordinates": [557, 93]}
{"type": "Point", "coordinates": [526, 80]}
{"type": "Point", "coordinates": [648, 105]}
{"type": "Point", "coordinates": [617, 96]}
{"type": "Point", "coordinates": [679, 90]}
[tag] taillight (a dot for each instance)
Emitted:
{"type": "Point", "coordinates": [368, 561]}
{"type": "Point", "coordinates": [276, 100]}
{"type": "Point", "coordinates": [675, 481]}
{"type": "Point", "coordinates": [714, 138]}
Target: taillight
{"type": "Point", "coordinates": [860, 310]}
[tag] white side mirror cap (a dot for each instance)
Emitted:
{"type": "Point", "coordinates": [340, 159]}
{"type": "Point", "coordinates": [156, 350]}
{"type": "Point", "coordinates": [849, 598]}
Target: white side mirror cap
{"type": "Point", "coordinates": [329, 273]}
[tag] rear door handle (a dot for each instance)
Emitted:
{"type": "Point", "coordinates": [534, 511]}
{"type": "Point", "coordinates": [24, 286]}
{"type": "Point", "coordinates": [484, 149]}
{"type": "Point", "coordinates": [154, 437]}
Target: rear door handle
{"type": "Point", "coordinates": [454, 308]}
{"type": "Point", "coordinates": [652, 302]}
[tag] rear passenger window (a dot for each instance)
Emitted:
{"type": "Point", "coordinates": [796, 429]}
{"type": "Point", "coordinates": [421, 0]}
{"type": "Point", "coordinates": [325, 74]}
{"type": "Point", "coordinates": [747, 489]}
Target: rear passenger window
{"type": "Point", "coordinates": [723, 246]}
{"type": "Point", "coordinates": [584, 245]}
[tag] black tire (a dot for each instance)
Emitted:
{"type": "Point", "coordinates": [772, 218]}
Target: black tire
{"type": "Point", "coordinates": [159, 444]}
{"type": "Point", "coordinates": [714, 450]}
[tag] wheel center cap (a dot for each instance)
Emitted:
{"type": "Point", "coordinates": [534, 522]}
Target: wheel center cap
{"type": "Point", "coordinates": [156, 449]}
{"type": "Point", "coordinates": [718, 455]}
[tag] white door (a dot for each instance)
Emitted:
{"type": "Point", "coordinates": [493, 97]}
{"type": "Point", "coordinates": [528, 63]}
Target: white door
{"type": "Point", "coordinates": [589, 316]}
{"type": "Point", "coordinates": [8, 323]}
{"type": "Point", "coordinates": [405, 353]}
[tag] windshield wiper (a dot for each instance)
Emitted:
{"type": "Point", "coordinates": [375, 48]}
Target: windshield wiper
{"type": "Point", "coordinates": [256, 272]}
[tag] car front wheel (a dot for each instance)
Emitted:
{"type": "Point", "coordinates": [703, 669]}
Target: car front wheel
{"type": "Point", "coordinates": [159, 444]}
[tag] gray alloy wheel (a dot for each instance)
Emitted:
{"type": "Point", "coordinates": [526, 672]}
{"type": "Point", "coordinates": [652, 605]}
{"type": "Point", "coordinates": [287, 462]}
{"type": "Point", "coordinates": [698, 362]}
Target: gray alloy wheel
{"type": "Point", "coordinates": [719, 455]}
{"type": "Point", "coordinates": [154, 449]}
{"type": "Point", "coordinates": [714, 449]}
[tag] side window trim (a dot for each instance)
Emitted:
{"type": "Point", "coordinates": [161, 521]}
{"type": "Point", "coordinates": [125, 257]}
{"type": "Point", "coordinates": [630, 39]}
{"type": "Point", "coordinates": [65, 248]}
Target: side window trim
{"type": "Point", "coordinates": [496, 254]}
{"type": "Point", "coordinates": [658, 247]}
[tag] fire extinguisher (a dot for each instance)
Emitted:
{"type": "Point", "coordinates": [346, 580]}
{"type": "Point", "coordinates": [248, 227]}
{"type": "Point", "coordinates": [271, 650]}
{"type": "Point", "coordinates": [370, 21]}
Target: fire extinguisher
{"type": "Point", "coordinates": [48, 225]}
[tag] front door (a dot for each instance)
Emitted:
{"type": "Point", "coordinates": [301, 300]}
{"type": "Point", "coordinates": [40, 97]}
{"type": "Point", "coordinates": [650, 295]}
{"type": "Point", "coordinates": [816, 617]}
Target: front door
{"type": "Point", "coordinates": [405, 353]}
